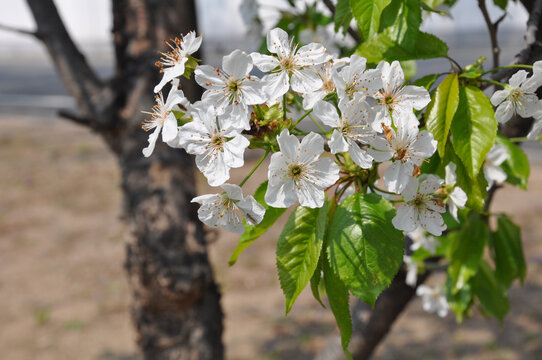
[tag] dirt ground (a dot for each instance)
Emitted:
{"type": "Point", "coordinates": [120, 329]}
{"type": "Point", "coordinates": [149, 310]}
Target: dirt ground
{"type": "Point", "coordinates": [63, 293]}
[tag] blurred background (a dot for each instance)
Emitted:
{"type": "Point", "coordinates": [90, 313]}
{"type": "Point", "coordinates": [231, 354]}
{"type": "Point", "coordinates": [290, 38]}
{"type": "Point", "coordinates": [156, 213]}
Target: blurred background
{"type": "Point", "coordinates": [63, 293]}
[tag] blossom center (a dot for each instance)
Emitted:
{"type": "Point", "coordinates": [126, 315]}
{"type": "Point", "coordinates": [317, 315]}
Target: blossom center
{"type": "Point", "coordinates": [217, 141]}
{"type": "Point", "coordinates": [296, 172]}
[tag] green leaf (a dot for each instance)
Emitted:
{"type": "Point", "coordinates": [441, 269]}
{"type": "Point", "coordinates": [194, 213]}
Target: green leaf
{"type": "Point", "coordinates": [252, 232]}
{"type": "Point", "coordinates": [491, 294]}
{"type": "Point", "coordinates": [426, 81]}
{"type": "Point", "coordinates": [474, 128]}
{"type": "Point", "coordinates": [402, 20]}
{"type": "Point", "coordinates": [298, 250]}
{"type": "Point", "coordinates": [501, 3]}
{"type": "Point", "coordinates": [343, 15]}
{"type": "Point", "coordinates": [508, 252]}
{"type": "Point", "coordinates": [459, 301]}
{"type": "Point", "coordinates": [442, 109]}
{"type": "Point", "coordinates": [517, 165]}
{"type": "Point", "coordinates": [315, 281]}
{"type": "Point", "coordinates": [382, 47]}
{"type": "Point", "coordinates": [367, 14]}
{"type": "Point", "coordinates": [338, 298]}
{"type": "Point", "coordinates": [364, 248]}
{"type": "Point", "coordinates": [466, 250]}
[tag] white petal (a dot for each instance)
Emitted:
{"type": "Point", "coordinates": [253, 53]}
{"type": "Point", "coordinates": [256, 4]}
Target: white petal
{"type": "Point", "coordinates": [233, 191]}
{"type": "Point", "coordinates": [359, 156]}
{"type": "Point", "coordinates": [288, 144]}
{"type": "Point", "coordinates": [310, 195]}
{"type": "Point", "coordinates": [327, 114]}
{"type": "Point", "coordinates": [253, 211]}
{"type": "Point", "coordinates": [152, 141]}
{"type": "Point", "coordinates": [518, 78]}
{"type": "Point", "coordinates": [499, 96]}
{"type": "Point", "coordinates": [323, 173]}
{"type": "Point", "coordinates": [170, 130]}
{"type": "Point", "coordinates": [281, 194]}
{"type": "Point", "coordinates": [504, 112]}
{"type": "Point", "coordinates": [276, 85]}
{"type": "Point", "coordinates": [208, 77]}
{"type": "Point", "coordinates": [234, 151]}
{"type": "Point", "coordinates": [458, 197]}
{"type": "Point", "coordinates": [411, 190]}
{"type": "Point", "coordinates": [432, 222]}
{"type": "Point", "coordinates": [416, 97]}
{"type": "Point", "coordinates": [406, 219]}
{"type": "Point", "coordinates": [337, 144]}
{"type": "Point", "coordinates": [306, 80]}
{"type": "Point", "coordinates": [430, 185]}
{"type": "Point", "coordinates": [529, 105]}
{"type": "Point", "coordinates": [277, 42]}
{"type": "Point", "coordinates": [237, 64]}
{"type": "Point", "coordinates": [264, 62]}
{"type": "Point", "coordinates": [311, 55]}
{"type": "Point", "coordinates": [311, 147]}
{"type": "Point", "coordinates": [252, 91]}
{"type": "Point", "coordinates": [396, 76]}
{"type": "Point", "coordinates": [397, 176]}
{"type": "Point", "coordinates": [450, 173]}
{"type": "Point", "coordinates": [170, 73]}
{"type": "Point", "coordinates": [191, 43]}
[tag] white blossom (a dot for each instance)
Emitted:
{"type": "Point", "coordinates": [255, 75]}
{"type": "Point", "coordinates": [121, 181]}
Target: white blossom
{"type": "Point", "coordinates": [408, 147]}
{"type": "Point", "coordinates": [349, 129]}
{"type": "Point", "coordinates": [172, 63]}
{"type": "Point", "coordinates": [518, 97]}
{"type": "Point", "coordinates": [162, 119]}
{"type": "Point", "coordinates": [456, 197]}
{"type": "Point", "coordinates": [325, 73]}
{"type": "Point", "coordinates": [394, 99]}
{"type": "Point", "coordinates": [229, 208]}
{"type": "Point", "coordinates": [298, 173]}
{"type": "Point", "coordinates": [412, 271]}
{"type": "Point", "coordinates": [291, 65]}
{"type": "Point", "coordinates": [536, 130]}
{"type": "Point", "coordinates": [217, 144]}
{"type": "Point", "coordinates": [492, 165]}
{"type": "Point", "coordinates": [354, 78]}
{"type": "Point", "coordinates": [421, 240]}
{"type": "Point", "coordinates": [422, 206]}
{"type": "Point", "coordinates": [433, 300]}
{"type": "Point", "coordinates": [232, 89]}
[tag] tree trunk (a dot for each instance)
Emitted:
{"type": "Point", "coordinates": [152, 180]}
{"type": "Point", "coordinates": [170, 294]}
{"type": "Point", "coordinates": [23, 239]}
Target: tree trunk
{"type": "Point", "coordinates": [176, 303]}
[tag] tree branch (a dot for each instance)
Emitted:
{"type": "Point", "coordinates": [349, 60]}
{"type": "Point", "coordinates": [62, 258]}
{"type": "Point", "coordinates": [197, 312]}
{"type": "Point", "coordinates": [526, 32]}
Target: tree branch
{"type": "Point", "coordinates": [93, 98]}
{"type": "Point", "coordinates": [19, 31]}
{"type": "Point", "coordinates": [352, 32]}
{"type": "Point", "coordinates": [76, 118]}
{"type": "Point", "coordinates": [492, 27]}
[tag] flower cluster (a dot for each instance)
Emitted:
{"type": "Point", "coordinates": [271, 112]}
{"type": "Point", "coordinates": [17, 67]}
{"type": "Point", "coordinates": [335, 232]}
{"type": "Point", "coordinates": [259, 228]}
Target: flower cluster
{"type": "Point", "coordinates": [366, 117]}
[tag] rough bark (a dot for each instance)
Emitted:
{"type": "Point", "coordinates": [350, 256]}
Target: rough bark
{"type": "Point", "coordinates": [176, 303]}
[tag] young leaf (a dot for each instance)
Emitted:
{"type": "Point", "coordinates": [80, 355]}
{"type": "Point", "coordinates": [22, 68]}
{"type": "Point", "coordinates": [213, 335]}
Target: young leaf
{"type": "Point", "coordinates": [298, 250]}
{"type": "Point", "coordinates": [343, 15]}
{"type": "Point", "coordinates": [252, 232]}
{"type": "Point", "coordinates": [364, 248]}
{"type": "Point", "coordinates": [367, 14]}
{"type": "Point", "coordinates": [426, 81]}
{"type": "Point", "coordinates": [491, 294]}
{"type": "Point", "coordinates": [460, 301]}
{"type": "Point", "coordinates": [441, 111]}
{"type": "Point", "coordinates": [508, 252]}
{"type": "Point", "coordinates": [338, 298]}
{"type": "Point", "coordinates": [474, 128]}
{"type": "Point", "coordinates": [383, 47]}
{"type": "Point", "coordinates": [466, 251]}
{"type": "Point", "coordinates": [517, 165]}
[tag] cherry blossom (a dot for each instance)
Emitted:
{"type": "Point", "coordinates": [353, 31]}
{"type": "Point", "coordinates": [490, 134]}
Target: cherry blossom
{"type": "Point", "coordinates": [492, 165]}
{"type": "Point", "coordinates": [408, 147]}
{"type": "Point", "coordinates": [433, 300]}
{"type": "Point", "coordinates": [518, 97]}
{"type": "Point", "coordinates": [229, 208]}
{"type": "Point", "coordinates": [422, 206]}
{"type": "Point", "coordinates": [162, 119]}
{"type": "Point", "coordinates": [291, 65]}
{"type": "Point", "coordinates": [455, 198]}
{"type": "Point", "coordinates": [172, 63]}
{"type": "Point", "coordinates": [298, 173]}
{"type": "Point", "coordinates": [216, 142]}
{"type": "Point", "coordinates": [232, 89]}
{"type": "Point", "coordinates": [354, 78]}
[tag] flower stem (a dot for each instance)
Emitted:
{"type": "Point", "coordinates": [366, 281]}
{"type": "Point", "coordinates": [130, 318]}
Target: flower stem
{"type": "Point", "coordinates": [375, 189]}
{"type": "Point", "coordinates": [302, 117]}
{"type": "Point", "coordinates": [254, 168]}
{"type": "Point", "coordinates": [317, 123]}
{"type": "Point", "coordinates": [494, 82]}
{"type": "Point", "coordinates": [519, 66]}
{"type": "Point", "coordinates": [284, 107]}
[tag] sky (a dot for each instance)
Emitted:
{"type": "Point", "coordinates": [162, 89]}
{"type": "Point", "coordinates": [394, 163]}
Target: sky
{"type": "Point", "coordinates": [90, 20]}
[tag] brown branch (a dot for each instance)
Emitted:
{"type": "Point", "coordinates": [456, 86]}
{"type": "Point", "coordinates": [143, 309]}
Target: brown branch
{"type": "Point", "coordinates": [83, 84]}
{"type": "Point", "coordinates": [352, 32]}
{"type": "Point", "coordinates": [18, 30]}
{"type": "Point", "coordinates": [492, 27]}
{"type": "Point", "coordinates": [73, 116]}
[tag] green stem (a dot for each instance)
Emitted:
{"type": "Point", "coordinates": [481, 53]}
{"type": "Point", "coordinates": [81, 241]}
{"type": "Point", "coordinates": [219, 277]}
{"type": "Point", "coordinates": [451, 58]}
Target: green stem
{"type": "Point", "coordinates": [375, 189]}
{"type": "Point", "coordinates": [494, 82]}
{"type": "Point", "coordinates": [519, 66]}
{"type": "Point", "coordinates": [302, 117]}
{"type": "Point", "coordinates": [317, 123]}
{"type": "Point", "coordinates": [284, 107]}
{"type": "Point", "coordinates": [254, 168]}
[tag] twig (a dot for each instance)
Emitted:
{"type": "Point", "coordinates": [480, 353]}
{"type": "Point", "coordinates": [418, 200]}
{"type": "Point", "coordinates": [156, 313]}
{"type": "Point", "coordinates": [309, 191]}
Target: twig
{"type": "Point", "coordinates": [19, 31]}
{"type": "Point", "coordinates": [492, 27]}
{"type": "Point", "coordinates": [76, 118]}
{"type": "Point", "coordinates": [352, 32]}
